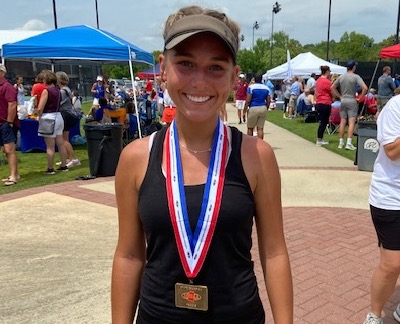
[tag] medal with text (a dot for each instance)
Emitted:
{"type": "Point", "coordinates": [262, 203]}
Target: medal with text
{"type": "Point", "coordinates": [191, 296]}
{"type": "Point", "coordinates": [193, 247]}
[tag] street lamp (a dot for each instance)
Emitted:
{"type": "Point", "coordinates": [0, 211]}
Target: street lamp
{"type": "Point", "coordinates": [275, 9]}
{"type": "Point", "coordinates": [242, 37]}
{"type": "Point", "coordinates": [255, 26]}
{"type": "Point", "coordinates": [55, 14]}
{"type": "Point", "coordinates": [329, 30]}
{"type": "Point", "coordinates": [97, 14]}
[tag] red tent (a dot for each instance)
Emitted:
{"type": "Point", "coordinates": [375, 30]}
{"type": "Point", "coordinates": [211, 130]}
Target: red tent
{"type": "Point", "coordinates": [149, 73]}
{"type": "Point", "coordinates": [390, 52]}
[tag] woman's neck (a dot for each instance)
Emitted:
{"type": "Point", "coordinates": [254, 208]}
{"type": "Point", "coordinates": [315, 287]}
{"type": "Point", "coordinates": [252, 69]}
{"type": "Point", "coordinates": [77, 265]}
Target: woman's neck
{"type": "Point", "coordinates": [196, 135]}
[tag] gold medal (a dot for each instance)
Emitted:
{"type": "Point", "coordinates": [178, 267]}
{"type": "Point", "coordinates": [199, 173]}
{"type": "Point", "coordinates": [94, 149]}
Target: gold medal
{"type": "Point", "coordinates": [191, 296]}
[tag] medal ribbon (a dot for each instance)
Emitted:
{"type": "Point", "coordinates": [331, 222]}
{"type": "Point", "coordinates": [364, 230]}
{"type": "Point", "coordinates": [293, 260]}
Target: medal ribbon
{"type": "Point", "coordinates": [193, 247]}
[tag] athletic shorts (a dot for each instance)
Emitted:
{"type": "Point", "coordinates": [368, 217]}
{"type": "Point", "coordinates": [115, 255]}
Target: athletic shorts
{"type": "Point", "coordinates": [240, 104]}
{"type": "Point", "coordinates": [59, 125]}
{"type": "Point", "coordinates": [7, 134]}
{"type": "Point", "coordinates": [293, 101]}
{"type": "Point", "coordinates": [348, 109]}
{"type": "Point", "coordinates": [387, 226]}
{"type": "Point", "coordinates": [256, 116]}
{"type": "Point", "coordinates": [95, 101]}
{"type": "Point", "coordinates": [69, 121]}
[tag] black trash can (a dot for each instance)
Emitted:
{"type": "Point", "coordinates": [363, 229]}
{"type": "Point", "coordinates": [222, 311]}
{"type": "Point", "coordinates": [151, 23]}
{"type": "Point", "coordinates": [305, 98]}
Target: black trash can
{"type": "Point", "coordinates": [104, 144]}
{"type": "Point", "coordinates": [367, 145]}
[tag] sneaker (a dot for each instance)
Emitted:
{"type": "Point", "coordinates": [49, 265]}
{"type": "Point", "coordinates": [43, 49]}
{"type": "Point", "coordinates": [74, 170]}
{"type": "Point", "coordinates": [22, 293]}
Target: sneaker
{"type": "Point", "coordinates": [50, 171]}
{"type": "Point", "coordinates": [59, 163]}
{"type": "Point", "coordinates": [350, 147]}
{"type": "Point", "coordinates": [373, 319]}
{"type": "Point", "coordinates": [63, 169]}
{"type": "Point", "coordinates": [9, 178]}
{"type": "Point", "coordinates": [244, 119]}
{"type": "Point", "coordinates": [340, 146]}
{"type": "Point", "coordinates": [240, 121]}
{"type": "Point", "coordinates": [396, 313]}
{"type": "Point", "coordinates": [321, 142]}
{"type": "Point", "coordinates": [73, 163]}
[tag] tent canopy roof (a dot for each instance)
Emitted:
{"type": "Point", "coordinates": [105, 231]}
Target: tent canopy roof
{"type": "Point", "coordinates": [303, 65]}
{"type": "Point", "coordinates": [149, 73]}
{"type": "Point", "coordinates": [80, 42]}
{"type": "Point", "coordinates": [390, 52]}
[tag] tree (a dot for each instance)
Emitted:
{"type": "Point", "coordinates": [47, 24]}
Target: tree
{"type": "Point", "coordinates": [354, 46]}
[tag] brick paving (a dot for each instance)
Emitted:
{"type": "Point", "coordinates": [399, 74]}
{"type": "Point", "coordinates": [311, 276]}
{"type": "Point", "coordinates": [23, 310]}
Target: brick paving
{"type": "Point", "coordinates": [333, 252]}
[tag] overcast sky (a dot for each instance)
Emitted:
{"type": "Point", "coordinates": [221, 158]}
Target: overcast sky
{"type": "Point", "coordinates": [140, 21]}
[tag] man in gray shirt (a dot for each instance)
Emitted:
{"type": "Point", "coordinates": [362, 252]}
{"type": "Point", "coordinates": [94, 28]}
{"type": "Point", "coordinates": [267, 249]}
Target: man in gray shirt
{"type": "Point", "coordinates": [385, 88]}
{"type": "Point", "coordinates": [346, 83]}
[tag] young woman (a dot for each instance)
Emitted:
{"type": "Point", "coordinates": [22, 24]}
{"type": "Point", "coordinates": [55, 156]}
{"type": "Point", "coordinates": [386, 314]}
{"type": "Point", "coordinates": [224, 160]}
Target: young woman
{"type": "Point", "coordinates": [186, 209]}
{"type": "Point", "coordinates": [49, 107]}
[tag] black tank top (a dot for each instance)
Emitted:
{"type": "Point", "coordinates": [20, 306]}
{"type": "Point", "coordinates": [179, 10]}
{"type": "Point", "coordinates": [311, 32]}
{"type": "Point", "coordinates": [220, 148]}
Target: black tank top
{"type": "Point", "coordinates": [228, 269]}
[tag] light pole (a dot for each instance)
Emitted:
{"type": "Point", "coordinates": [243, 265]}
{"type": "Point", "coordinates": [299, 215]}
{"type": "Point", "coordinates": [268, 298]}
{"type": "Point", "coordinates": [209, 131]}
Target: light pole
{"type": "Point", "coordinates": [275, 9]}
{"type": "Point", "coordinates": [329, 30]}
{"type": "Point", "coordinates": [97, 14]}
{"type": "Point", "coordinates": [55, 14]}
{"type": "Point", "coordinates": [256, 26]}
{"type": "Point", "coordinates": [396, 37]}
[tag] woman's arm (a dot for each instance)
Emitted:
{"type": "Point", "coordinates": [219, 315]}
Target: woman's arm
{"type": "Point", "coordinates": [263, 174]}
{"type": "Point", "coordinates": [43, 100]}
{"type": "Point", "coordinates": [130, 256]}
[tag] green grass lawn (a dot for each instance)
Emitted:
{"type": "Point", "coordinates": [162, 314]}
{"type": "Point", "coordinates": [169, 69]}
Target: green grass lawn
{"type": "Point", "coordinates": [308, 131]}
{"type": "Point", "coordinates": [31, 167]}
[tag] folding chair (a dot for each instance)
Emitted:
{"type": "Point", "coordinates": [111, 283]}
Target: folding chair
{"type": "Point", "coordinates": [334, 120]}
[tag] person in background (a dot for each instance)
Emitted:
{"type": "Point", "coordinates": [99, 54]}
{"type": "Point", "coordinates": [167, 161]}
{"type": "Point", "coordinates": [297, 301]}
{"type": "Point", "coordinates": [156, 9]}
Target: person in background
{"type": "Point", "coordinates": [99, 91]}
{"type": "Point", "coordinates": [99, 115]}
{"type": "Point", "coordinates": [323, 103]}
{"type": "Point", "coordinates": [240, 90]}
{"type": "Point", "coordinates": [256, 106]}
{"type": "Point", "coordinates": [160, 87]}
{"type": "Point", "coordinates": [71, 119]}
{"type": "Point", "coordinates": [384, 199]}
{"type": "Point", "coordinates": [286, 88]}
{"type": "Point", "coordinates": [19, 86]}
{"type": "Point", "coordinates": [386, 88]}
{"type": "Point", "coordinates": [347, 83]}
{"type": "Point", "coordinates": [77, 102]}
{"type": "Point", "coordinates": [271, 88]}
{"type": "Point", "coordinates": [295, 90]}
{"type": "Point", "coordinates": [38, 88]}
{"type": "Point", "coordinates": [8, 118]}
{"type": "Point", "coordinates": [311, 82]}
{"type": "Point", "coordinates": [198, 158]}
{"type": "Point", "coordinates": [49, 107]}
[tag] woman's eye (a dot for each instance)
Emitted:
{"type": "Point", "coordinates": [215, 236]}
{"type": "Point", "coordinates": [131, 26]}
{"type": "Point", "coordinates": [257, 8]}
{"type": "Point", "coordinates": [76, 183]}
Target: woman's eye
{"type": "Point", "coordinates": [216, 68]}
{"type": "Point", "coordinates": [186, 63]}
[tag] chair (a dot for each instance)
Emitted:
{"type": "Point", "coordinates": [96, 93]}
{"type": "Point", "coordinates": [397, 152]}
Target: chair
{"type": "Point", "coordinates": [117, 116]}
{"type": "Point", "coordinates": [334, 120]}
{"type": "Point", "coordinates": [132, 129]}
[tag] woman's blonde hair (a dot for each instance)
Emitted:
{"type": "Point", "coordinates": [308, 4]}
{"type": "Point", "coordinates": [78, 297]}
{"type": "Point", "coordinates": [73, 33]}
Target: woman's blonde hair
{"type": "Point", "coordinates": [62, 77]}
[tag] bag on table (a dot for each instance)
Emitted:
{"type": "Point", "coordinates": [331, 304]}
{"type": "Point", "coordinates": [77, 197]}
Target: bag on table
{"type": "Point", "coordinates": [46, 126]}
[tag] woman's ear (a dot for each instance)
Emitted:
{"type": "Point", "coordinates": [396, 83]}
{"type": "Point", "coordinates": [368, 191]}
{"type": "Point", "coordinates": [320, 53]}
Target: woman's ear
{"type": "Point", "coordinates": [161, 60]}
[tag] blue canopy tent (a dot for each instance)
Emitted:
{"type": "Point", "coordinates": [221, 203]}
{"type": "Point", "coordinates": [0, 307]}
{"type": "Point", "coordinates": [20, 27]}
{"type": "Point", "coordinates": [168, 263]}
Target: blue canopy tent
{"type": "Point", "coordinates": [76, 43]}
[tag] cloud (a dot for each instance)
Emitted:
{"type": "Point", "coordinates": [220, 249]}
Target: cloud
{"type": "Point", "coordinates": [34, 24]}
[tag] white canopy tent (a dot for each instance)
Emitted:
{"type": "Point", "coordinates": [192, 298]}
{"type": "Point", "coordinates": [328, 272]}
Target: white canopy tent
{"type": "Point", "coordinates": [302, 65]}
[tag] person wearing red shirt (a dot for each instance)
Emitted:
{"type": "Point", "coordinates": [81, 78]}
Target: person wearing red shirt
{"type": "Point", "coordinates": [240, 96]}
{"type": "Point", "coordinates": [8, 113]}
{"type": "Point", "coordinates": [38, 88]}
{"type": "Point", "coordinates": [323, 102]}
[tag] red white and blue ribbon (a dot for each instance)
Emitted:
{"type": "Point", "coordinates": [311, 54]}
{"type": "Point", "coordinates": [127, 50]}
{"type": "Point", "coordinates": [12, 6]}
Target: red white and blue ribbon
{"type": "Point", "coordinates": [193, 247]}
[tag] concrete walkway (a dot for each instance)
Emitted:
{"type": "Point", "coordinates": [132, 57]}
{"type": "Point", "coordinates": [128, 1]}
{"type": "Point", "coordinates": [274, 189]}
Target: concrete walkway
{"type": "Point", "coordinates": [57, 242]}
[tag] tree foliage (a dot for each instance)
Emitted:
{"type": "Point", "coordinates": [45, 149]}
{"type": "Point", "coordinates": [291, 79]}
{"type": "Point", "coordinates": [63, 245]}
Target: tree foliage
{"type": "Point", "coordinates": [352, 46]}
